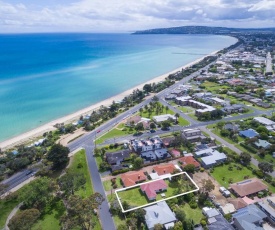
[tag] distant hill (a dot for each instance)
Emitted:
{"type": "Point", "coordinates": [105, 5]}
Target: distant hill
{"type": "Point", "coordinates": [204, 30]}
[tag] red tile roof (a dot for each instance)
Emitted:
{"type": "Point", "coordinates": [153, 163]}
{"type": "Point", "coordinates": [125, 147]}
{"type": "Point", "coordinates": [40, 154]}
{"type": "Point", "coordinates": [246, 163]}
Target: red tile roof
{"type": "Point", "coordinates": [176, 153]}
{"type": "Point", "coordinates": [238, 203]}
{"type": "Point", "coordinates": [247, 187]}
{"type": "Point", "coordinates": [164, 169]}
{"type": "Point", "coordinates": [131, 178]}
{"type": "Point", "coordinates": [189, 160]}
{"type": "Point", "coordinates": [151, 188]}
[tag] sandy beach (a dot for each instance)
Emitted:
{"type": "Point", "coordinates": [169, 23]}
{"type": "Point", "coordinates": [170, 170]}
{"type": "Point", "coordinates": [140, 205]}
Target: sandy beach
{"type": "Point", "coordinates": [32, 134]}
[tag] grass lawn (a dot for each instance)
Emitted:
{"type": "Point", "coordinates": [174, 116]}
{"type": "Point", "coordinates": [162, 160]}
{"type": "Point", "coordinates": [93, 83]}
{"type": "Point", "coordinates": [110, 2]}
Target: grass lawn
{"type": "Point", "coordinates": [80, 158]}
{"type": "Point", "coordinates": [5, 208]}
{"type": "Point", "coordinates": [50, 220]}
{"type": "Point", "coordinates": [194, 214]}
{"type": "Point", "coordinates": [145, 114]}
{"type": "Point", "coordinates": [222, 174]}
{"type": "Point", "coordinates": [116, 132]}
{"type": "Point", "coordinates": [133, 196]}
{"type": "Point", "coordinates": [193, 116]}
{"type": "Point", "coordinates": [108, 185]}
{"type": "Point", "coordinates": [183, 122]}
{"type": "Point", "coordinates": [186, 109]}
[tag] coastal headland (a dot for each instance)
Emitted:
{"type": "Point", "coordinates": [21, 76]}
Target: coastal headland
{"type": "Point", "coordinates": [34, 133]}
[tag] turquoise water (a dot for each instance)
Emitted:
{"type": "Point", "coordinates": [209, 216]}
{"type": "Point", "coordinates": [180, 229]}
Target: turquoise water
{"type": "Point", "coordinates": [47, 76]}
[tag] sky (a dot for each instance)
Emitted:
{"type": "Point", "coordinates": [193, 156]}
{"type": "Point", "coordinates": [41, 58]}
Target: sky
{"type": "Point", "coordinates": [23, 16]}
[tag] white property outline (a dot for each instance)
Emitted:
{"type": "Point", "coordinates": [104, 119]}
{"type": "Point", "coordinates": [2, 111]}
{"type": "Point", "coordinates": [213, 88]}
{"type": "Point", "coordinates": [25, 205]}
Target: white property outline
{"type": "Point", "coordinates": [163, 177]}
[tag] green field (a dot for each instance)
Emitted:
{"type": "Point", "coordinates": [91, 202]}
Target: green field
{"type": "Point", "coordinates": [222, 174]}
{"type": "Point", "coordinates": [108, 184]}
{"type": "Point", "coordinates": [194, 214]}
{"type": "Point", "coordinates": [5, 208]}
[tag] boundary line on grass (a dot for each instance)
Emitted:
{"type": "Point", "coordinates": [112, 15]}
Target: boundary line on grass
{"type": "Point", "coordinates": [148, 204]}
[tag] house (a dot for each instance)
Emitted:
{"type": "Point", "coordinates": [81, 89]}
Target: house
{"type": "Point", "coordinates": [132, 178]}
{"type": "Point", "coordinates": [264, 121]}
{"type": "Point", "coordinates": [159, 213]}
{"type": "Point", "coordinates": [218, 223]}
{"type": "Point", "coordinates": [210, 157]}
{"type": "Point", "coordinates": [262, 144]}
{"type": "Point", "coordinates": [235, 108]}
{"type": "Point", "coordinates": [189, 160]}
{"type": "Point", "coordinates": [167, 141]}
{"type": "Point", "coordinates": [162, 154]}
{"type": "Point", "coordinates": [238, 203]}
{"type": "Point", "coordinates": [249, 133]}
{"type": "Point", "coordinates": [164, 117]}
{"type": "Point", "coordinates": [248, 187]}
{"type": "Point", "coordinates": [249, 218]}
{"type": "Point", "coordinates": [148, 156]}
{"type": "Point", "coordinates": [267, 205]}
{"type": "Point", "coordinates": [133, 120]}
{"type": "Point", "coordinates": [146, 145]}
{"type": "Point", "coordinates": [164, 169]}
{"type": "Point", "coordinates": [117, 158]}
{"type": "Point", "coordinates": [192, 135]}
{"type": "Point", "coordinates": [182, 100]}
{"type": "Point", "coordinates": [231, 127]}
{"type": "Point", "coordinates": [152, 188]}
{"type": "Point", "coordinates": [227, 209]}
{"type": "Point", "coordinates": [175, 152]}
{"type": "Point", "coordinates": [210, 212]}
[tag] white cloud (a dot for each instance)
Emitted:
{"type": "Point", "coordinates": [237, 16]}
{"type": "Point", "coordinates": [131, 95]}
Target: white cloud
{"type": "Point", "coordinates": [129, 15]}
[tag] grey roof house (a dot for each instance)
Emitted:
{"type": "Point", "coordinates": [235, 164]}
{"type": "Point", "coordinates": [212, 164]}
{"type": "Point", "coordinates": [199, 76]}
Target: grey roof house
{"type": "Point", "coordinates": [262, 144]}
{"type": "Point", "coordinates": [267, 205]}
{"type": "Point", "coordinates": [249, 218]}
{"type": "Point", "coordinates": [159, 213]}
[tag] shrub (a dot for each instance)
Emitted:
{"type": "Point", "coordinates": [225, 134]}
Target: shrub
{"type": "Point", "coordinates": [203, 223]}
{"type": "Point", "coordinates": [193, 204]}
{"type": "Point", "coordinates": [201, 169]}
{"type": "Point", "coordinates": [79, 165]}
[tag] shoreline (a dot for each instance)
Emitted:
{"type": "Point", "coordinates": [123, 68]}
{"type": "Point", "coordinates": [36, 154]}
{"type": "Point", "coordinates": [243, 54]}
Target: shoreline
{"type": "Point", "coordinates": [36, 132]}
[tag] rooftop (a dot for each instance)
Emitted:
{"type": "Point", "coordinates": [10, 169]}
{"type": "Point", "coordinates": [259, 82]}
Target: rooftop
{"type": "Point", "coordinates": [151, 188]}
{"type": "Point", "coordinates": [189, 160]}
{"type": "Point", "coordinates": [247, 187]}
{"type": "Point", "coordinates": [131, 178]}
{"type": "Point", "coordinates": [164, 169]}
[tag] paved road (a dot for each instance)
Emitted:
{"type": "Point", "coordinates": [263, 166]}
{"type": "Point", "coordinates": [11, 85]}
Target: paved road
{"type": "Point", "coordinates": [107, 221]}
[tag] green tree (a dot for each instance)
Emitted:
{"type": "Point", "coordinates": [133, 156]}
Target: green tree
{"type": "Point", "coordinates": [139, 127]}
{"type": "Point", "coordinates": [71, 182]}
{"type": "Point", "coordinates": [165, 125]}
{"type": "Point", "coordinates": [24, 220]}
{"type": "Point", "coordinates": [224, 133]}
{"type": "Point", "coordinates": [139, 214]}
{"type": "Point", "coordinates": [152, 125]}
{"type": "Point", "coordinates": [207, 185]}
{"type": "Point", "coordinates": [189, 168]}
{"type": "Point", "coordinates": [166, 108]}
{"type": "Point", "coordinates": [177, 117]}
{"type": "Point", "coordinates": [265, 167]}
{"type": "Point", "coordinates": [58, 154]}
{"type": "Point", "coordinates": [245, 158]}
{"type": "Point", "coordinates": [122, 227]}
{"type": "Point", "coordinates": [80, 211]}
{"type": "Point", "coordinates": [137, 163]}
{"type": "Point", "coordinates": [220, 124]}
{"type": "Point", "coordinates": [180, 214]}
{"type": "Point", "coordinates": [158, 227]}
{"type": "Point", "coordinates": [38, 193]}
{"type": "Point", "coordinates": [178, 226]}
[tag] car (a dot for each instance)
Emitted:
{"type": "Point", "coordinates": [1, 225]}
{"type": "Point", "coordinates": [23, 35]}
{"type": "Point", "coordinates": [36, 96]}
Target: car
{"type": "Point", "coordinates": [29, 172]}
{"type": "Point", "coordinates": [98, 131]}
{"type": "Point", "coordinates": [152, 131]}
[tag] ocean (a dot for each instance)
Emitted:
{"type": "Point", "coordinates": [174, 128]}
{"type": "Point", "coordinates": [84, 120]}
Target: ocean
{"type": "Point", "coordinates": [47, 76]}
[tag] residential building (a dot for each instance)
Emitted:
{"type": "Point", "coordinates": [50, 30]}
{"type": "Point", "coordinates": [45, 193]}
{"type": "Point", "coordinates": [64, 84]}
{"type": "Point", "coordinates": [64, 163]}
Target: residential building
{"type": "Point", "coordinates": [235, 108]}
{"type": "Point", "coordinates": [264, 121]}
{"type": "Point", "coordinates": [249, 218]}
{"type": "Point", "coordinates": [231, 127]}
{"type": "Point", "coordinates": [175, 152]}
{"type": "Point", "coordinates": [193, 135]}
{"type": "Point", "coordinates": [146, 145]}
{"type": "Point", "coordinates": [133, 120]}
{"type": "Point", "coordinates": [267, 205]}
{"type": "Point", "coordinates": [218, 223]}
{"type": "Point", "coordinates": [238, 203]}
{"type": "Point", "coordinates": [164, 117]}
{"type": "Point", "coordinates": [189, 160]}
{"type": "Point", "coordinates": [228, 209]}
{"type": "Point", "coordinates": [164, 169]}
{"type": "Point", "coordinates": [132, 178]}
{"type": "Point", "coordinates": [159, 213]}
{"type": "Point", "coordinates": [152, 188]}
{"type": "Point", "coordinates": [117, 158]}
{"type": "Point", "coordinates": [248, 187]}
{"type": "Point", "coordinates": [262, 144]}
{"type": "Point", "coordinates": [249, 133]}
{"type": "Point", "coordinates": [210, 157]}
